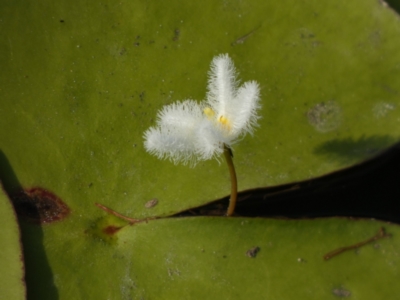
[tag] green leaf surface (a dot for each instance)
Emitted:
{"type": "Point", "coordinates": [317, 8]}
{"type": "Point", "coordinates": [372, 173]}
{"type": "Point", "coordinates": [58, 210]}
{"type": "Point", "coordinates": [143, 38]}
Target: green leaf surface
{"type": "Point", "coordinates": [205, 257]}
{"type": "Point", "coordinates": [81, 83]}
{"type": "Point", "coordinates": [12, 281]}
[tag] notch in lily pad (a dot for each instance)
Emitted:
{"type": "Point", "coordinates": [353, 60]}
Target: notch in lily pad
{"type": "Point", "coordinates": [106, 228]}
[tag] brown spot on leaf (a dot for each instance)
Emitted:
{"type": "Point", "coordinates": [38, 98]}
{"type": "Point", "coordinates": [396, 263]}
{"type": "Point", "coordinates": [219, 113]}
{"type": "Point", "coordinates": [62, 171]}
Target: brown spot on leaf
{"type": "Point", "coordinates": [39, 206]}
{"type": "Point", "coordinates": [110, 230]}
{"type": "Point", "coordinates": [151, 203]}
{"type": "Point", "coordinates": [177, 34]}
{"type": "Point", "coordinates": [253, 252]}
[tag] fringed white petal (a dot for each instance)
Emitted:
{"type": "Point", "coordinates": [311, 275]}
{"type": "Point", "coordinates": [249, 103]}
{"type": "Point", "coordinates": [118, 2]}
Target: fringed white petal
{"type": "Point", "coordinates": [181, 128]}
{"type": "Point", "coordinates": [244, 107]}
{"type": "Point", "coordinates": [221, 84]}
{"type": "Point", "coordinates": [238, 106]}
{"type": "Point", "coordinates": [167, 144]}
{"type": "Point", "coordinates": [186, 114]}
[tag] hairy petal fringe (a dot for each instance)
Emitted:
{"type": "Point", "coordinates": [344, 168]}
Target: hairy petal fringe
{"type": "Point", "coordinates": [222, 83]}
{"type": "Point", "coordinates": [246, 105]}
{"type": "Point", "coordinates": [182, 114]}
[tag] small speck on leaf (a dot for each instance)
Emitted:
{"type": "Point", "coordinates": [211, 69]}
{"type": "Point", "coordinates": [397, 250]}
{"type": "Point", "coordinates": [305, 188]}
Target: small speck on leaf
{"type": "Point", "coordinates": [177, 33]}
{"type": "Point", "coordinates": [151, 203]}
{"type": "Point", "coordinates": [253, 252]}
{"type": "Point", "coordinates": [122, 51]}
{"type": "Point", "coordinates": [301, 260]}
{"type": "Point", "coordinates": [341, 292]}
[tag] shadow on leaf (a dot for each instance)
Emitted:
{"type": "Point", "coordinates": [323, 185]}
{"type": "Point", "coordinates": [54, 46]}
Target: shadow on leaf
{"type": "Point", "coordinates": [394, 4]}
{"type": "Point", "coordinates": [348, 150]}
{"type": "Point", "coordinates": [39, 277]}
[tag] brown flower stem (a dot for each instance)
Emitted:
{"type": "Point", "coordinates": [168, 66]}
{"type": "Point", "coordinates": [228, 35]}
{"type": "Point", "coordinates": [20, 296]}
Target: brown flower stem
{"type": "Point", "coordinates": [232, 201]}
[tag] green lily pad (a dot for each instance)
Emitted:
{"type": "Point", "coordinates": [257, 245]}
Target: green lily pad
{"type": "Point", "coordinates": [93, 78]}
{"type": "Point", "coordinates": [80, 83]}
{"type": "Point", "coordinates": [216, 257]}
{"type": "Point", "coordinates": [12, 281]}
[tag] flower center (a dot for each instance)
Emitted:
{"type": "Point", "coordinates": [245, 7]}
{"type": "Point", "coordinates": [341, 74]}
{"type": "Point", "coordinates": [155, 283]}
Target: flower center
{"type": "Point", "coordinates": [222, 119]}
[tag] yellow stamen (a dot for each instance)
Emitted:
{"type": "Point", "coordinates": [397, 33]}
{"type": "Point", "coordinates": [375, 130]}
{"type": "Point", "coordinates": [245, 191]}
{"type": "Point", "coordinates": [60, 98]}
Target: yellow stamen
{"type": "Point", "coordinates": [209, 112]}
{"type": "Point", "coordinates": [224, 121]}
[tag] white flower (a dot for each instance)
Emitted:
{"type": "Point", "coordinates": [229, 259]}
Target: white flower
{"type": "Point", "coordinates": [189, 132]}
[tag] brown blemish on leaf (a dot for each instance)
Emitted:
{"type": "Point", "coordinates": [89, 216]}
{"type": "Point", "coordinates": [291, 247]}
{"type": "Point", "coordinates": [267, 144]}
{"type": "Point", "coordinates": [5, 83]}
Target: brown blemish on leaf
{"type": "Point", "coordinates": [151, 203]}
{"type": "Point", "coordinates": [253, 252]}
{"type": "Point", "coordinates": [39, 206]}
{"type": "Point", "coordinates": [177, 34]}
{"type": "Point", "coordinates": [110, 230]}
{"type": "Point", "coordinates": [106, 229]}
